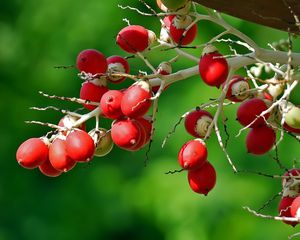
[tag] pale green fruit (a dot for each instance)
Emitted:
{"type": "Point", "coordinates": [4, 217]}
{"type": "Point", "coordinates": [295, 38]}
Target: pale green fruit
{"type": "Point", "coordinates": [275, 88]}
{"type": "Point", "coordinates": [292, 117]}
{"type": "Point", "coordinates": [103, 141]}
{"type": "Point", "coordinates": [174, 4]}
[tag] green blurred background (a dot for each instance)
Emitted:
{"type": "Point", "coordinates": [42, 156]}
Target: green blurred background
{"type": "Point", "coordinates": [116, 197]}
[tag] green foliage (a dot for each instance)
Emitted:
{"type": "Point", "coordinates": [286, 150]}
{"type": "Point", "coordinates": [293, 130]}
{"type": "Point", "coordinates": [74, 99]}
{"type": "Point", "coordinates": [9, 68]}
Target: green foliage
{"type": "Point", "coordinates": [116, 197]}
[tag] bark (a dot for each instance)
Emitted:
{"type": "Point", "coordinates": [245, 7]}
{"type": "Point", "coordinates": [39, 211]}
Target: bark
{"type": "Point", "coordinates": [273, 13]}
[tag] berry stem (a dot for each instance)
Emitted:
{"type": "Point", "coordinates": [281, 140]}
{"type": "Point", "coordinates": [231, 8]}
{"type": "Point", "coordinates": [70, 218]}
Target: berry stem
{"type": "Point", "coordinates": [96, 112]}
{"type": "Point", "coordinates": [70, 99]}
{"type": "Point", "coordinates": [57, 109]}
{"type": "Point", "coordinates": [290, 219]}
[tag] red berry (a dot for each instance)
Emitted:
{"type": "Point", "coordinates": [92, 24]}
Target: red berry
{"type": "Point", "coordinates": [202, 180]}
{"type": "Point", "coordinates": [178, 28]}
{"type": "Point", "coordinates": [284, 209]}
{"type": "Point", "coordinates": [143, 137]}
{"type": "Point", "coordinates": [32, 153]}
{"type": "Point", "coordinates": [237, 89]}
{"type": "Point", "coordinates": [197, 122]}
{"type": "Point", "coordinates": [117, 64]}
{"type": "Point", "coordinates": [111, 104]}
{"type": "Point", "coordinates": [58, 156]}
{"type": "Point", "coordinates": [80, 146]}
{"type": "Point", "coordinates": [92, 92]}
{"type": "Point", "coordinates": [91, 61]}
{"type": "Point", "coordinates": [260, 140]}
{"type": "Point", "coordinates": [146, 123]}
{"type": "Point", "coordinates": [136, 100]}
{"type": "Point", "coordinates": [48, 170]}
{"type": "Point", "coordinates": [295, 207]}
{"type": "Point", "coordinates": [68, 122]}
{"type": "Point", "coordinates": [192, 154]}
{"type": "Point", "coordinates": [213, 69]}
{"type": "Point", "coordinates": [249, 110]}
{"type": "Point", "coordinates": [125, 133]}
{"type": "Point", "coordinates": [135, 38]}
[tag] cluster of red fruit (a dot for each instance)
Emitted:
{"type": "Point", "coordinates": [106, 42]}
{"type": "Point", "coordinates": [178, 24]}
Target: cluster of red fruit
{"type": "Point", "coordinates": [131, 128]}
{"type": "Point", "coordinates": [61, 155]}
{"type": "Point", "coordinates": [201, 173]}
{"type": "Point", "coordinates": [253, 111]}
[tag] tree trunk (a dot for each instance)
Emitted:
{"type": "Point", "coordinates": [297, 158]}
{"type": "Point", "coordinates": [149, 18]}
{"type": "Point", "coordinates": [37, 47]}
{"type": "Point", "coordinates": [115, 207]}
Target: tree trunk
{"type": "Point", "coordinates": [279, 14]}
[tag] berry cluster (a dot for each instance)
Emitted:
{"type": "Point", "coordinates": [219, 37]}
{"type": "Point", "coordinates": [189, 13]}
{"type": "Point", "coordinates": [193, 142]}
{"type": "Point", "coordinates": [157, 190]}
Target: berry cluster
{"type": "Point", "coordinates": [58, 156]}
{"type": "Point", "coordinates": [264, 109]}
{"type": "Point", "coordinates": [131, 130]}
{"type": "Point", "coordinates": [201, 174]}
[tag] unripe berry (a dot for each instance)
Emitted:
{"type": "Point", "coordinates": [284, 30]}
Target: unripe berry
{"type": "Point", "coordinates": [213, 67]}
{"type": "Point", "coordinates": [249, 110]}
{"type": "Point", "coordinates": [32, 153]}
{"type": "Point", "coordinates": [292, 117]}
{"type": "Point", "coordinates": [59, 157]}
{"type": "Point", "coordinates": [117, 64]}
{"type": "Point", "coordinates": [192, 154]}
{"type": "Point", "coordinates": [91, 92]}
{"type": "Point", "coordinates": [136, 100]}
{"type": "Point", "coordinates": [202, 180]}
{"type": "Point", "coordinates": [284, 209]}
{"type": "Point", "coordinates": [91, 61]}
{"type": "Point", "coordinates": [260, 140]}
{"type": "Point", "coordinates": [197, 122]}
{"type": "Point", "coordinates": [275, 88]}
{"type": "Point", "coordinates": [110, 104]}
{"type": "Point", "coordinates": [135, 38]}
{"type": "Point", "coordinates": [48, 170]}
{"type": "Point", "coordinates": [178, 28]}
{"type": "Point", "coordinates": [237, 90]}
{"type": "Point", "coordinates": [80, 146]}
{"type": "Point", "coordinates": [103, 141]}
{"type": "Point", "coordinates": [125, 133]}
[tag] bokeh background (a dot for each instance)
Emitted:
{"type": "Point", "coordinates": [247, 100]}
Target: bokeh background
{"type": "Point", "coordinates": [116, 197]}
